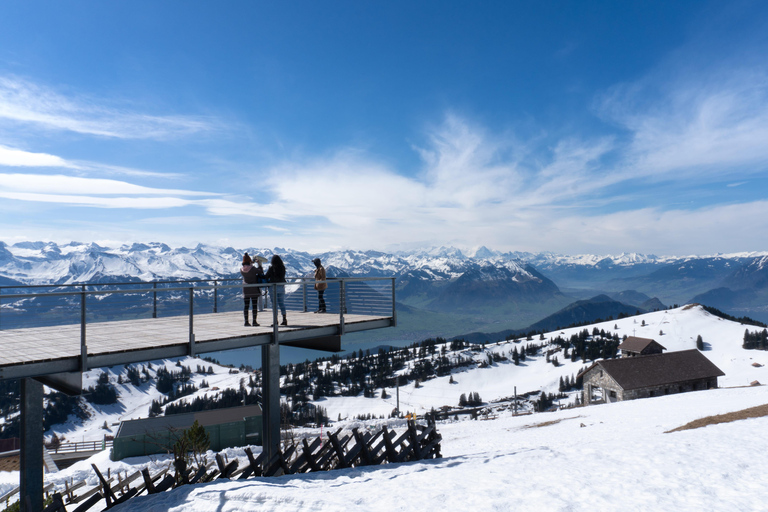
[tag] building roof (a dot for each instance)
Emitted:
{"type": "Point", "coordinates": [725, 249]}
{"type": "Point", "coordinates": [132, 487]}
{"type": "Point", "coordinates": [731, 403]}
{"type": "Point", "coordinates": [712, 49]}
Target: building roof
{"type": "Point", "coordinates": [659, 369]}
{"type": "Point", "coordinates": [635, 344]}
{"type": "Point", "coordinates": [183, 421]}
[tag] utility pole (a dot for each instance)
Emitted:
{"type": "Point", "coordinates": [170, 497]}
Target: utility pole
{"type": "Point", "coordinates": [397, 384]}
{"type": "Point", "coordinates": [515, 400]}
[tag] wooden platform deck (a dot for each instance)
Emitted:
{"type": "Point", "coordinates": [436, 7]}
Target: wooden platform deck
{"type": "Point", "coordinates": [44, 350]}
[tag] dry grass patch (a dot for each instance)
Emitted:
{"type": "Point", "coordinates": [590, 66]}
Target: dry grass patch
{"type": "Point", "coordinates": [752, 412]}
{"type": "Point", "coordinates": [548, 423]}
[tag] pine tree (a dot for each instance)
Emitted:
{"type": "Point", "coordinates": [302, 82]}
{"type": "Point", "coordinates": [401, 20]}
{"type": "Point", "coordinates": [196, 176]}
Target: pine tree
{"type": "Point", "coordinates": [699, 342]}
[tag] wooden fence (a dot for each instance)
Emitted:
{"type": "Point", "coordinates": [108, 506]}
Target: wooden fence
{"type": "Point", "coordinates": [355, 449]}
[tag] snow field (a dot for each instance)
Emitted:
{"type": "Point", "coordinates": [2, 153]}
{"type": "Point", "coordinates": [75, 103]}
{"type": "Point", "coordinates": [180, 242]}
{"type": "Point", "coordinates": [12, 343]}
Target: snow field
{"type": "Point", "coordinates": [620, 460]}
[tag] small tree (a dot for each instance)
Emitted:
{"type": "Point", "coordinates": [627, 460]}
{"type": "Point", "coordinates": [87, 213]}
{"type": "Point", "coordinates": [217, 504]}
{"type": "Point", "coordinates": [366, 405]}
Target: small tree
{"type": "Point", "coordinates": [192, 445]}
{"type": "Point", "coordinates": [699, 342]}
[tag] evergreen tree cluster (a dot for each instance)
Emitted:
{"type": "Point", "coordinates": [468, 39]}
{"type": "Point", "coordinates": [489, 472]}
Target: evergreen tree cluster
{"type": "Point", "coordinates": [103, 393]}
{"type": "Point", "coordinates": [226, 398]}
{"type": "Point", "coordinates": [166, 379]}
{"type": "Point", "coordinates": [472, 400]}
{"type": "Point", "coordinates": [757, 340]}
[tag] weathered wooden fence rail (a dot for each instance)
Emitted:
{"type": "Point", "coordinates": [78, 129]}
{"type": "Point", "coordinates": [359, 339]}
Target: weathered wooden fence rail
{"type": "Point", "coordinates": [338, 451]}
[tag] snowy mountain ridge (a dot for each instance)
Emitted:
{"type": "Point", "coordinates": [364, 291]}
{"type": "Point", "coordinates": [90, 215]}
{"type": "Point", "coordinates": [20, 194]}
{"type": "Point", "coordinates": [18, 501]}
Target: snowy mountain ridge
{"type": "Point", "coordinates": [46, 262]}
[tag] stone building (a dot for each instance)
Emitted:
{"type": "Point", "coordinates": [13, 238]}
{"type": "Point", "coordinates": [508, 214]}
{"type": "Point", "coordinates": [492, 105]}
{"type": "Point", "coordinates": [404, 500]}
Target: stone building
{"type": "Point", "coordinates": [613, 380]}
{"type": "Point", "coordinates": [633, 347]}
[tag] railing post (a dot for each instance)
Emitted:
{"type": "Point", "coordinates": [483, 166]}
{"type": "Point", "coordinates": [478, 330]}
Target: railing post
{"type": "Point", "coordinates": [154, 299]}
{"type": "Point", "coordinates": [304, 293]}
{"type": "Point", "coordinates": [191, 321]}
{"type": "Point", "coordinates": [394, 311]}
{"type": "Point", "coordinates": [83, 347]}
{"type": "Point", "coordinates": [274, 313]}
{"type": "Point", "coordinates": [342, 302]}
{"type": "Point", "coordinates": [215, 296]}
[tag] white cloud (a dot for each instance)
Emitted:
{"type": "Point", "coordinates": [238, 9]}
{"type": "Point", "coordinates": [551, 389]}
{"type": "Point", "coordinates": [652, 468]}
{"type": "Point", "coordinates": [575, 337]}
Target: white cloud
{"type": "Point", "coordinates": [59, 184]}
{"type": "Point", "coordinates": [703, 125]}
{"type": "Point", "coordinates": [25, 102]}
{"type": "Point", "coordinates": [18, 158]}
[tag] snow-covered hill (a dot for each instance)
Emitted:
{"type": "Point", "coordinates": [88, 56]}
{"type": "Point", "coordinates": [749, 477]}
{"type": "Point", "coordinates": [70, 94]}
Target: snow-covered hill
{"type": "Point", "coordinates": [607, 457]}
{"type": "Point", "coordinates": [612, 458]}
{"type": "Point", "coordinates": [680, 328]}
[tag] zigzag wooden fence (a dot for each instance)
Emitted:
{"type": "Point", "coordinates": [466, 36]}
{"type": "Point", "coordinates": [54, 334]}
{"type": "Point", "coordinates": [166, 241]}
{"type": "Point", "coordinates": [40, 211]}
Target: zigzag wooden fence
{"type": "Point", "coordinates": [338, 451]}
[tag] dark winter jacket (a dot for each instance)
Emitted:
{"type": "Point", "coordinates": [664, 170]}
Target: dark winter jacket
{"type": "Point", "coordinates": [273, 276]}
{"type": "Point", "coordinates": [250, 276]}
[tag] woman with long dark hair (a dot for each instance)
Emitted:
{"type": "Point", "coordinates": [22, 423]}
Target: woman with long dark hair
{"type": "Point", "coordinates": [250, 293]}
{"type": "Point", "coordinates": [276, 274]}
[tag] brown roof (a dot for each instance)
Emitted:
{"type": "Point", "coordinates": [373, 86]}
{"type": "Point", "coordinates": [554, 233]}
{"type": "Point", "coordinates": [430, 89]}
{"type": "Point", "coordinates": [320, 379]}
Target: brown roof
{"type": "Point", "coordinates": [660, 369]}
{"type": "Point", "coordinates": [634, 344]}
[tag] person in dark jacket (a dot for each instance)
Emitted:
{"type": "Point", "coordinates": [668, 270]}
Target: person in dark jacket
{"type": "Point", "coordinates": [320, 285]}
{"type": "Point", "coordinates": [250, 293]}
{"type": "Point", "coordinates": [276, 274]}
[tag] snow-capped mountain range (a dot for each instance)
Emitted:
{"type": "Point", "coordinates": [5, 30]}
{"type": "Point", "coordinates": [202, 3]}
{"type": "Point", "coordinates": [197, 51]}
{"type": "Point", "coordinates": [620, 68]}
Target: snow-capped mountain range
{"type": "Point", "coordinates": [48, 262]}
{"type": "Point", "coordinates": [443, 279]}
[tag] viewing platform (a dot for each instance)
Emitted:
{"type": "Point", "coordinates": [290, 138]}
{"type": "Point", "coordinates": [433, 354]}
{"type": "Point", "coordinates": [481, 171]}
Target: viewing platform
{"type": "Point", "coordinates": [52, 334]}
{"type": "Point", "coordinates": [76, 327]}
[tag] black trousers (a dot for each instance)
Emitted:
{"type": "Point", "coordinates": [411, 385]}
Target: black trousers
{"type": "Point", "coordinates": [248, 300]}
{"type": "Point", "coordinates": [320, 300]}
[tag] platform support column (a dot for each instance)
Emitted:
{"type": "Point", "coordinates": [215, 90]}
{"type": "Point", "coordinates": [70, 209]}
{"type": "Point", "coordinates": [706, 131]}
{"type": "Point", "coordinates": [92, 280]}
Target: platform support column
{"type": "Point", "coordinates": [270, 370]}
{"type": "Point", "coordinates": [31, 453]}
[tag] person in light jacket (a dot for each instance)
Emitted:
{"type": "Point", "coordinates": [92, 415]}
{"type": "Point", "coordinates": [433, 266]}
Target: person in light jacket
{"type": "Point", "coordinates": [320, 285]}
{"type": "Point", "coordinates": [250, 293]}
{"type": "Point", "coordinates": [276, 274]}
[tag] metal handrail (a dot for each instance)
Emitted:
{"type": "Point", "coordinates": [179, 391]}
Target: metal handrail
{"type": "Point", "coordinates": [375, 299]}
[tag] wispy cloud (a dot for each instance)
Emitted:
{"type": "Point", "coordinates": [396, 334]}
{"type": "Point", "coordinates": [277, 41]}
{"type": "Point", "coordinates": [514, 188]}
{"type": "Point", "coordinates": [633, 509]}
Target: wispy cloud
{"type": "Point", "coordinates": [703, 125]}
{"type": "Point", "coordinates": [11, 157]}
{"type": "Point", "coordinates": [59, 184]}
{"type": "Point", "coordinates": [29, 103]}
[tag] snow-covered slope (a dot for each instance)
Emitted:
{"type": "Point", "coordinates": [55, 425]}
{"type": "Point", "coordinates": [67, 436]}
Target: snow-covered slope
{"type": "Point", "coordinates": [615, 457]}
{"type": "Point", "coordinates": [680, 328]}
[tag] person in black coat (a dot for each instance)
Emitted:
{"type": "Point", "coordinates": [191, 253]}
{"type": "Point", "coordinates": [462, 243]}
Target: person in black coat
{"type": "Point", "coordinates": [276, 274]}
{"type": "Point", "coordinates": [250, 293]}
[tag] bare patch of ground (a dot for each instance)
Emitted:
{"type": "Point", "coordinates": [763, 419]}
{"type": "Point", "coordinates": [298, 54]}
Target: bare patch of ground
{"type": "Point", "coordinates": [752, 412]}
{"type": "Point", "coordinates": [548, 423]}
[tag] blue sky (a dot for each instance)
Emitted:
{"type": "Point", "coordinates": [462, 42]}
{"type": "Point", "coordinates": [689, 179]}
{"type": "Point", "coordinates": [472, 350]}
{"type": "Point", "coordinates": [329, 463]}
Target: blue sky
{"type": "Point", "coordinates": [571, 127]}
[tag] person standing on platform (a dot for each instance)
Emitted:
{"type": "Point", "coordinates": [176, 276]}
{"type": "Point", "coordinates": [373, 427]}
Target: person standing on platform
{"type": "Point", "coordinates": [276, 274]}
{"type": "Point", "coordinates": [260, 279]}
{"type": "Point", "coordinates": [320, 284]}
{"type": "Point", "coordinates": [250, 293]}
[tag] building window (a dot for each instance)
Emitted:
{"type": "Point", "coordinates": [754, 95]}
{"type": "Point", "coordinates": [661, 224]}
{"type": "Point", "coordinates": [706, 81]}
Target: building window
{"type": "Point", "coordinates": [651, 393]}
{"type": "Point", "coordinates": [612, 394]}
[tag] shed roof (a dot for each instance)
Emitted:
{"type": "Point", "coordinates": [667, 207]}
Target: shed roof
{"type": "Point", "coordinates": [659, 369]}
{"type": "Point", "coordinates": [635, 344]}
{"type": "Point", "coordinates": [183, 421]}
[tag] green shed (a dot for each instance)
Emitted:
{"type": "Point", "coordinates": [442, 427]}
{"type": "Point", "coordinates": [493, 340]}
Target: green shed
{"type": "Point", "coordinates": [233, 426]}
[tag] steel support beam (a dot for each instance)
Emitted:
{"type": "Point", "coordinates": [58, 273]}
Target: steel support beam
{"type": "Point", "coordinates": [270, 374]}
{"type": "Point", "coordinates": [31, 456]}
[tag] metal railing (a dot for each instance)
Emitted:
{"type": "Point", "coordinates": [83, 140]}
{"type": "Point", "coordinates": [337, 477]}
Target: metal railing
{"type": "Point", "coordinates": [91, 303]}
{"type": "Point", "coordinates": [81, 446]}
